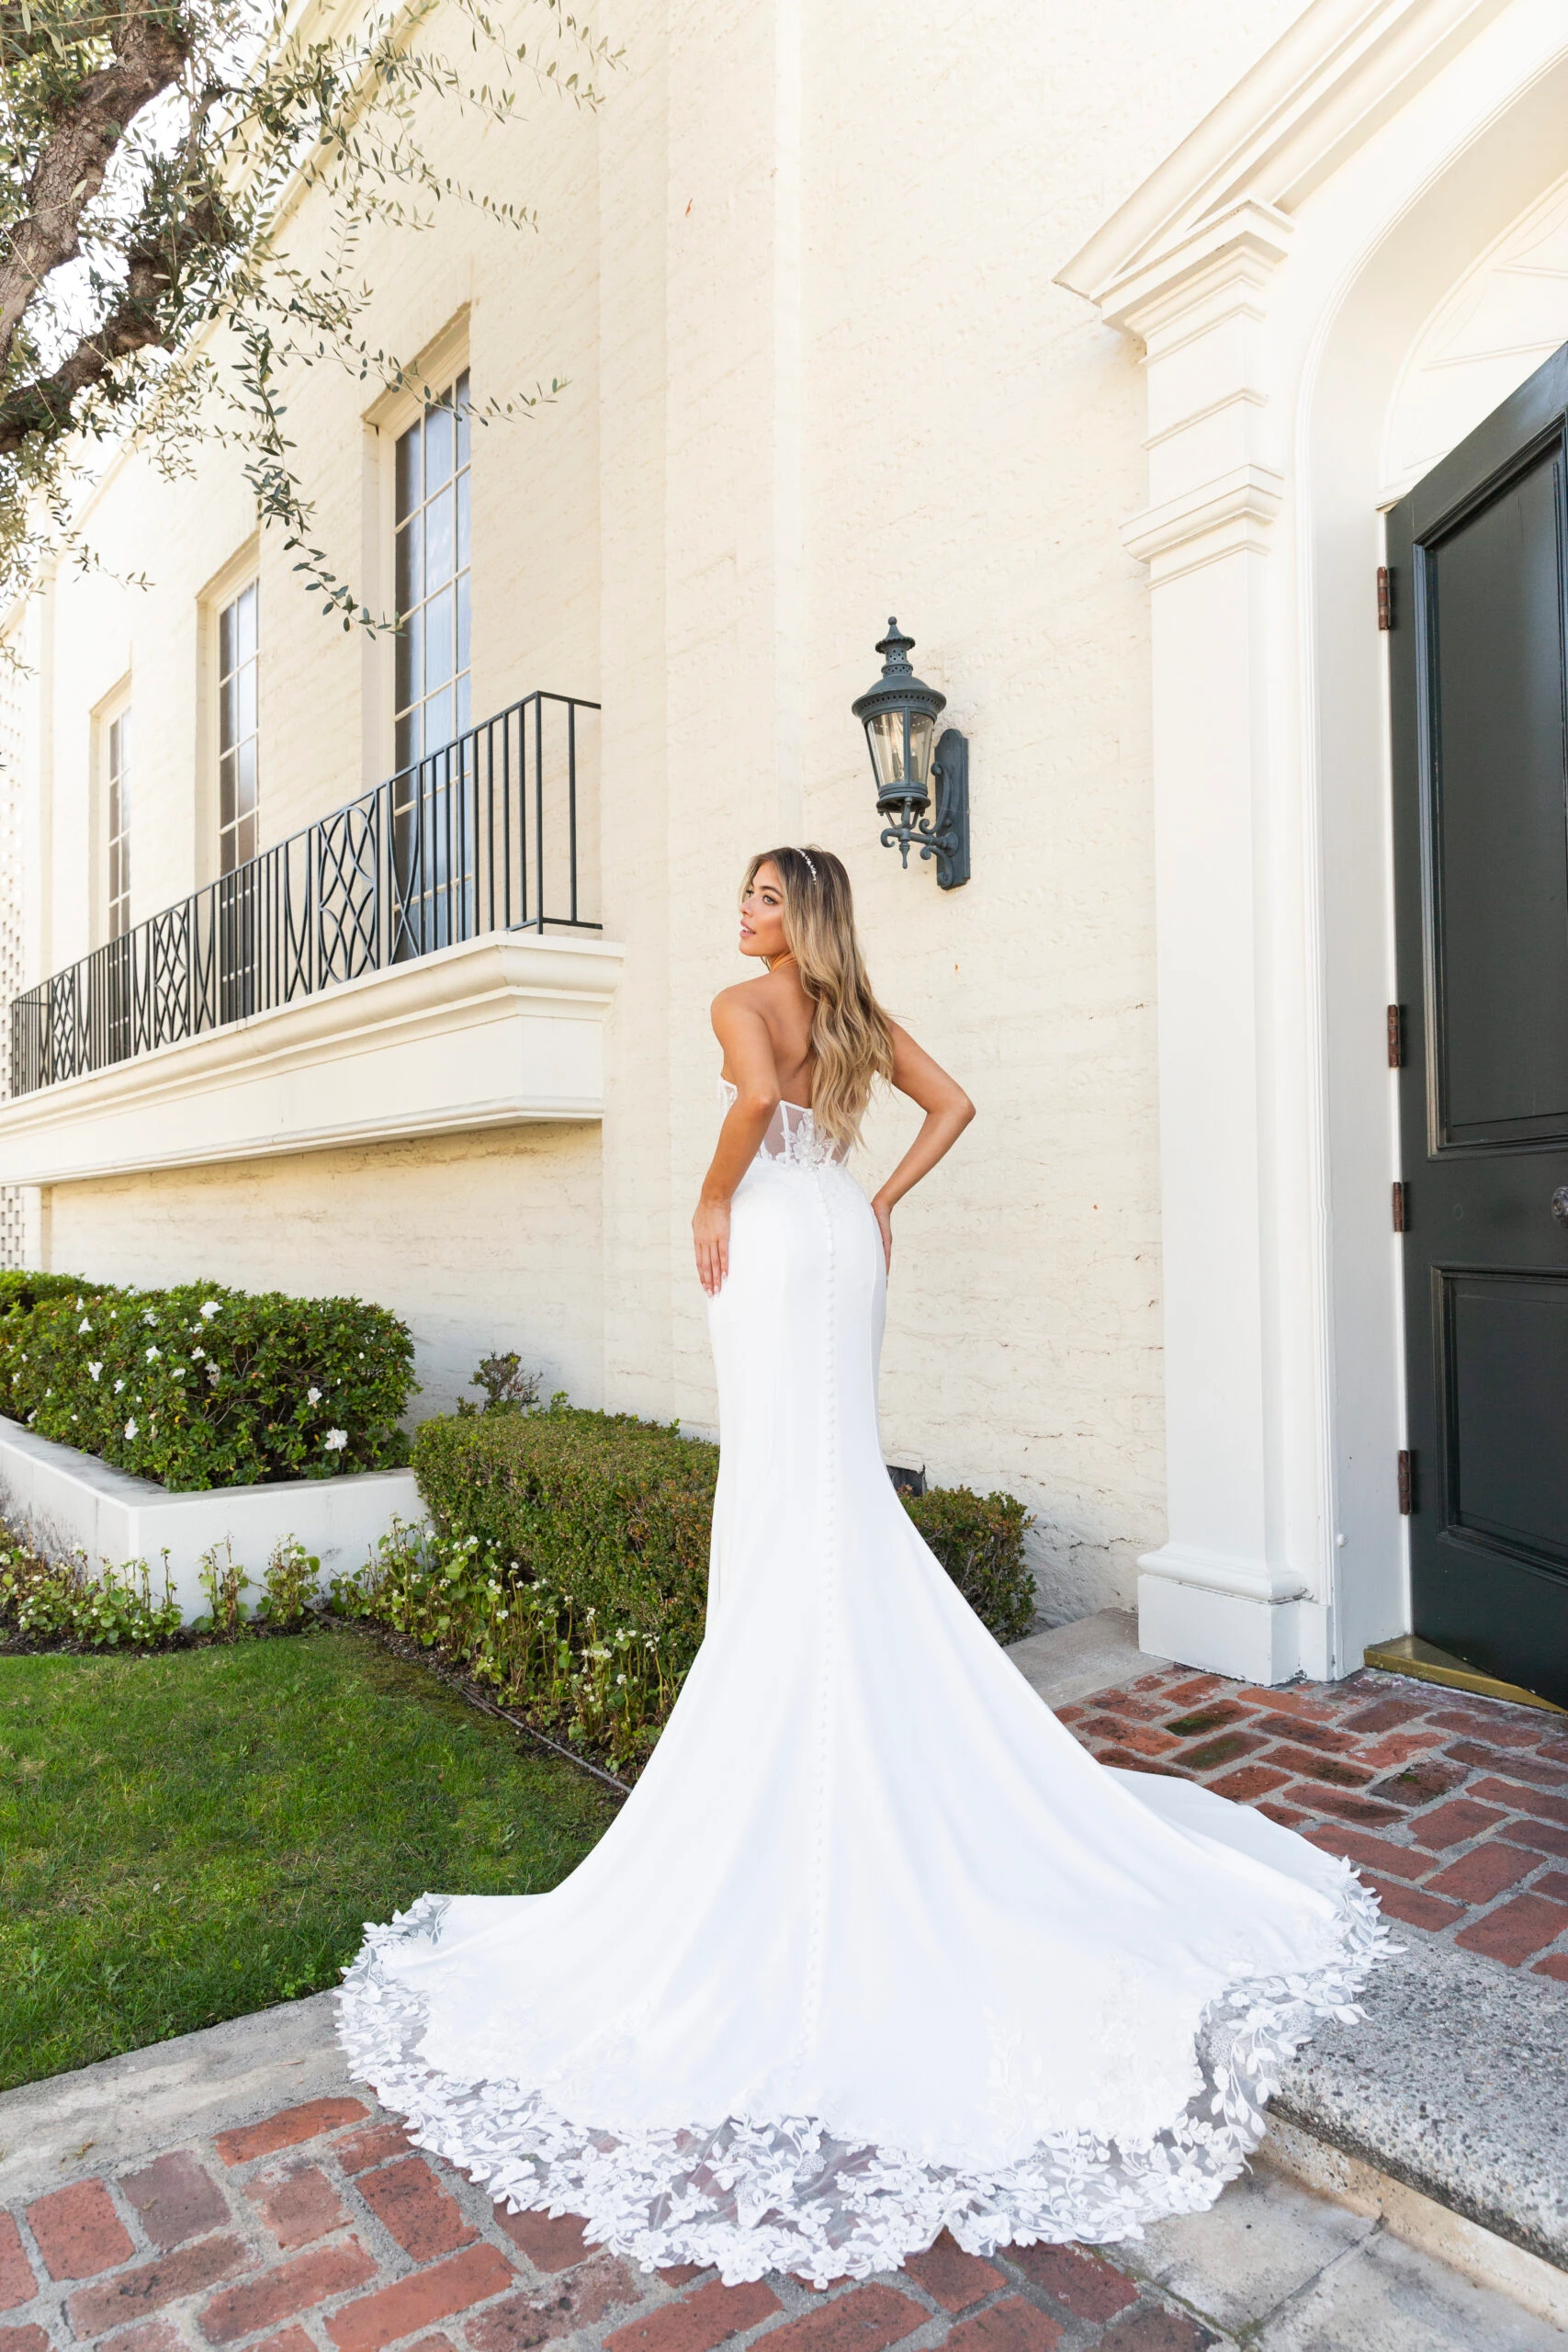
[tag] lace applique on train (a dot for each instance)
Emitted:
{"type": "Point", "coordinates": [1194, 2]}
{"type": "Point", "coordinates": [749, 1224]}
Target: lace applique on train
{"type": "Point", "coordinates": [791, 1139]}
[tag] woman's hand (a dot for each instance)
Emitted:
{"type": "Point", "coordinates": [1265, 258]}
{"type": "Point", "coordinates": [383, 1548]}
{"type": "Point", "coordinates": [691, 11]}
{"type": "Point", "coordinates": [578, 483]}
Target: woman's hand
{"type": "Point", "coordinates": [883, 1211]}
{"type": "Point", "coordinates": [710, 1233]}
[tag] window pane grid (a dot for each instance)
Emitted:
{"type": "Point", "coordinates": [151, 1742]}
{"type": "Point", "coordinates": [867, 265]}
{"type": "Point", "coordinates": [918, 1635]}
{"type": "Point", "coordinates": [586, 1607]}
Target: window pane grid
{"type": "Point", "coordinates": [239, 655]}
{"type": "Point", "coordinates": [119, 824]}
{"type": "Point", "coordinates": [431, 693]}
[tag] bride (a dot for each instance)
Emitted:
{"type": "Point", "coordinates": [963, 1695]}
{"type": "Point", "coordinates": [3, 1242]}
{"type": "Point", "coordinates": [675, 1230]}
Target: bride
{"type": "Point", "coordinates": [873, 1948]}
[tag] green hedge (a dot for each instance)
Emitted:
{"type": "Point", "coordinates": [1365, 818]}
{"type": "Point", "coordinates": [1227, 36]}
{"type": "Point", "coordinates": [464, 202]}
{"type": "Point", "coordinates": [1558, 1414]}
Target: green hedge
{"type": "Point", "coordinates": [203, 1387]}
{"type": "Point", "coordinates": [618, 1513]}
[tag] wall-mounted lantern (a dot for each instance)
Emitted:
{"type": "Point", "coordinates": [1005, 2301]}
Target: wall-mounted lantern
{"type": "Point", "coordinates": [899, 715]}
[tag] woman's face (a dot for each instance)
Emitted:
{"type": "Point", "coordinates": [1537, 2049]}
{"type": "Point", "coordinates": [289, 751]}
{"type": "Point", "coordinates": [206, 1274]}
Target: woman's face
{"type": "Point", "coordinates": [761, 914]}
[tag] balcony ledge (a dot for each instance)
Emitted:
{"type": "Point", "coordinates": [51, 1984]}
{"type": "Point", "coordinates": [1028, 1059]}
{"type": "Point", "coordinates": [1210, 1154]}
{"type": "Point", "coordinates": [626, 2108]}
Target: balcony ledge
{"type": "Point", "coordinates": [497, 1030]}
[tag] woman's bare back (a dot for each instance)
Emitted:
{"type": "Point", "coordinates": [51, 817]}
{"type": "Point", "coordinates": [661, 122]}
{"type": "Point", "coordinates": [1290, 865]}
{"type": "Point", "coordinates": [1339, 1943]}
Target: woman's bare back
{"type": "Point", "coordinates": [786, 1011]}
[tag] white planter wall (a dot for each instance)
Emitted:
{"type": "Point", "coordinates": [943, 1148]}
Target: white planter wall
{"type": "Point", "coordinates": [64, 1498]}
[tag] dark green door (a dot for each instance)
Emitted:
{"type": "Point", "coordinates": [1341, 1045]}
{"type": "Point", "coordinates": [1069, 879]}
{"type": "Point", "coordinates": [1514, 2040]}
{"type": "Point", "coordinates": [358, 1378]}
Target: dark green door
{"type": "Point", "coordinates": [1480, 710]}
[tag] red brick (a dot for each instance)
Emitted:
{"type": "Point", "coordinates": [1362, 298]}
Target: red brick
{"type": "Point", "coordinates": [1554, 1964]}
{"type": "Point", "coordinates": [1372, 1853]}
{"type": "Point", "coordinates": [1384, 1715]}
{"type": "Point", "coordinates": [1541, 1835]}
{"type": "Point", "coordinates": [288, 2128]}
{"type": "Point", "coordinates": [1210, 1754]}
{"type": "Point", "coordinates": [1142, 1738]}
{"type": "Point", "coordinates": [1521, 1799]}
{"type": "Point", "coordinates": [1012, 2326]}
{"type": "Point", "coordinates": [1082, 2282]}
{"type": "Point", "coordinates": [1333, 1770]}
{"type": "Point", "coordinates": [1523, 1730]}
{"type": "Point", "coordinates": [1364, 1811]}
{"type": "Point", "coordinates": [538, 2313]}
{"type": "Point", "coordinates": [291, 2339]}
{"type": "Point", "coordinates": [1554, 1750]}
{"type": "Point", "coordinates": [1323, 1737]}
{"type": "Point", "coordinates": [24, 2339]}
{"type": "Point", "coordinates": [862, 2321]}
{"type": "Point", "coordinates": [18, 2284]}
{"type": "Point", "coordinates": [1516, 1767]}
{"type": "Point", "coordinates": [1250, 1782]}
{"type": "Point", "coordinates": [283, 2292]}
{"type": "Point", "coordinates": [1515, 1930]}
{"type": "Point", "coordinates": [1198, 1721]}
{"type": "Point", "coordinates": [359, 2150]}
{"type": "Point", "coordinates": [1286, 1816]}
{"type": "Point", "coordinates": [1453, 1825]}
{"type": "Point", "coordinates": [1290, 1702]}
{"type": "Point", "coordinates": [1122, 1760]}
{"type": "Point", "coordinates": [175, 2199]}
{"type": "Point", "coordinates": [78, 2231]}
{"type": "Point", "coordinates": [550, 2240]}
{"type": "Point", "coordinates": [92, 2311]}
{"type": "Point", "coordinates": [463, 2279]}
{"type": "Point", "coordinates": [1183, 1695]}
{"type": "Point", "coordinates": [680, 2274]}
{"type": "Point", "coordinates": [1485, 1870]}
{"type": "Point", "coordinates": [1416, 1909]}
{"type": "Point", "coordinates": [952, 2277]}
{"type": "Point", "coordinates": [148, 2335]}
{"type": "Point", "coordinates": [1420, 1783]}
{"type": "Point", "coordinates": [1554, 1885]}
{"type": "Point", "coordinates": [1396, 1748]}
{"type": "Point", "coordinates": [298, 2206]}
{"type": "Point", "coordinates": [1156, 2330]}
{"type": "Point", "coordinates": [421, 2215]}
{"type": "Point", "coordinates": [699, 2321]}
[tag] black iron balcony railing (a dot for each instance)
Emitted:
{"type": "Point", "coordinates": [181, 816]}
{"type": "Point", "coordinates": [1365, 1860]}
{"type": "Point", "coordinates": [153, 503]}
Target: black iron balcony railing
{"type": "Point", "coordinates": [484, 836]}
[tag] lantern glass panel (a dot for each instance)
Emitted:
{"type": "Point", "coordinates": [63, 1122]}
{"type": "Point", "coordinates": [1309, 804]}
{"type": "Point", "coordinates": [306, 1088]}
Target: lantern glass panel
{"type": "Point", "coordinates": [902, 761]}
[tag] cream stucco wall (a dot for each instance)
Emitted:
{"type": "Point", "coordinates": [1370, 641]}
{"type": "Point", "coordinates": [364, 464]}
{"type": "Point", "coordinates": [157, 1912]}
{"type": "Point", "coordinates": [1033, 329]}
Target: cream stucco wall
{"type": "Point", "coordinates": [799, 278]}
{"type": "Point", "coordinates": [481, 1242]}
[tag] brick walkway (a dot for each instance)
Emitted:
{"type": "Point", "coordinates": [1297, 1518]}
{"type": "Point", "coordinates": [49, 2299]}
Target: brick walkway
{"type": "Point", "coordinates": [1454, 1809]}
{"type": "Point", "coordinates": [319, 2230]}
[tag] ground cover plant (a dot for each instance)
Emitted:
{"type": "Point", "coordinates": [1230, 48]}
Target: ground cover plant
{"type": "Point", "coordinates": [189, 1837]}
{"type": "Point", "coordinates": [200, 1387]}
{"type": "Point", "coordinates": [565, 1567]}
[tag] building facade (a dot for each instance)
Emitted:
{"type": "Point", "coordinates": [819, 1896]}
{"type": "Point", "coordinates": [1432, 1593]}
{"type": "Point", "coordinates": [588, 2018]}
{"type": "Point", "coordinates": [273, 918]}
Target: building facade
{"type": "Point", "coordinates": [1094, 343]}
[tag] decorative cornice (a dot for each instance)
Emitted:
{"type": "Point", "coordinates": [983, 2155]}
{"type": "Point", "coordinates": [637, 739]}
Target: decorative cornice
{"type": "Point", "coordinates": [1322, 90]}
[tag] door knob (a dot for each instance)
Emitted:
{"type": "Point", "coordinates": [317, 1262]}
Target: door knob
{"type": "Point", "coordinates": [1560, 1204]}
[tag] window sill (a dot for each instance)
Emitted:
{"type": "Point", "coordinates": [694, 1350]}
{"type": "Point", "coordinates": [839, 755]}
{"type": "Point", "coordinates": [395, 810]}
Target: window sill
{"type": "Point", "coordinates": [497, 1030]}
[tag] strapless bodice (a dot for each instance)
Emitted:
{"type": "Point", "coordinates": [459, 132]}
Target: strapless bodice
{"type": "Point", "coordinates": [791, 1139]}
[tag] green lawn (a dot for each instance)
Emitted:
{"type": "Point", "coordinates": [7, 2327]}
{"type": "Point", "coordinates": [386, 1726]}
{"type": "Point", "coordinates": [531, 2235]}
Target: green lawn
{"type": "Point", "coordinates": [186, 1837]}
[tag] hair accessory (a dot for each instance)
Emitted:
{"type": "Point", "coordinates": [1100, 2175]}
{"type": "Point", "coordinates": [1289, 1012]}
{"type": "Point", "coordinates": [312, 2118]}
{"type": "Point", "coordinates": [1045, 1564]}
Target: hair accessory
{"type": "Point", "coordinates": [809, 867]}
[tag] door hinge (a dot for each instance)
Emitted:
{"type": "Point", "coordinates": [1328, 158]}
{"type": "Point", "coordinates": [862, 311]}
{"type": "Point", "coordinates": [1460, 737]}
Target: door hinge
{"type": "Point", "coordinates": [1396, 1036]}
{"type": "Point", "coordinates": [1401, 1206]}
{"type": "Point", "coordinates": [1406, 1482]}
{"type": "Point", "coordinates": [1385, 596]}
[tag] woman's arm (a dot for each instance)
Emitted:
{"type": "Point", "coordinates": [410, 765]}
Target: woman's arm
{"type": "Point", "coordinates": [948, 1112]}
{"type": "Point", "coordinates": [748, 1054]}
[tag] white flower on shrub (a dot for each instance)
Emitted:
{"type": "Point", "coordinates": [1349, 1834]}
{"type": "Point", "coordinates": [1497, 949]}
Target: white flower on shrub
{"type": "Point", "coordinates": [117, 1386]}
{"type": "Point", "coordinates": [335, 1440]}
{"type": "Point", "coordinates": [210, 1307]}
{"type": "Point", "coordinates": [95, 1368]}
{"type": "Point", "coordinates": [131, 1428]}
{"type": "Point", "coordinates": [312, 1395]}
{"type": "Point", "coordinates": [83, 1325]}
{"type": "Point", "coordinates": [152, 1354]}
{"type": "Point", "coordinates": [177, 1372]}
{"type": "Point", "coordinates": [198, 1355]}
{"type": "Point", "coordinates": [148, 1316]}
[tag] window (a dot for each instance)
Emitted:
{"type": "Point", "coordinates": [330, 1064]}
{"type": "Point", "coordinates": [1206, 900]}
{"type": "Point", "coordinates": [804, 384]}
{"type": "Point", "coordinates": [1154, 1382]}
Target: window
{"type": "Point", "coordinates": [119, 765]}
{"type": "Point", "coordinates": [431, 578]}
{"type": "Point", "coordinates": [238, 815]}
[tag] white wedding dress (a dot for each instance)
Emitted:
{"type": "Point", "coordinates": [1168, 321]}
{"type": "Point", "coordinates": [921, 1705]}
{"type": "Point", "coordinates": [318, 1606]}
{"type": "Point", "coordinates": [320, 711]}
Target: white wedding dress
{"type": "Point", "coordinates": [873, 1947]}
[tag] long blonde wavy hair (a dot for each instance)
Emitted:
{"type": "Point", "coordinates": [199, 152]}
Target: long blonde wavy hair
{"type": "Point", "coordinates": [851, 1036]}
